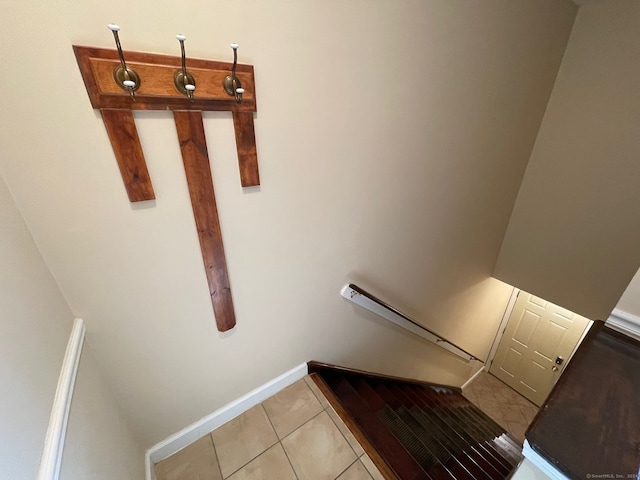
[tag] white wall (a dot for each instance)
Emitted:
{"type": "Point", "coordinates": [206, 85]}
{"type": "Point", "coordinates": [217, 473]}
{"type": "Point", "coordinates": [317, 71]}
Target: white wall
{"type": "Point", "coordinates": [99, 444]}
{"type": "Point", "coordinates": [35, 323]}
{"type": "Point", "coordinates": [392, 139]}
{"type": "Point", "coordinates": [574, 234]}
{"type": "Point", "coordinates": [630, 300]}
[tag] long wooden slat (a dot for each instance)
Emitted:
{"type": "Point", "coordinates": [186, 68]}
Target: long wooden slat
{"type": "Point", "coordinates": [246, 146]}
{"type": "Point", "coordinates": [193, 145]}
{"type": "Point", "coordinates": [123, 135]}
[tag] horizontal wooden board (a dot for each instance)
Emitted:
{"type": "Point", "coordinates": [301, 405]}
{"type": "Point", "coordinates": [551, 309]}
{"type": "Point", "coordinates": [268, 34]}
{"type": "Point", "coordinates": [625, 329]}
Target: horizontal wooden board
{"type": "Point", "coordinates": [157, 90]}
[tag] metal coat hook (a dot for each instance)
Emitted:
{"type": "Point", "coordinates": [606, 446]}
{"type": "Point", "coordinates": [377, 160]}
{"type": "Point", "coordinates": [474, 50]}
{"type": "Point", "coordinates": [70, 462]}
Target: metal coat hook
{"type": "Point", "coordinates": [232, 84]}
{"type": "Point", "coordinates": [183, 80]}
{"type": "Point", "coordinates": [125, 77]}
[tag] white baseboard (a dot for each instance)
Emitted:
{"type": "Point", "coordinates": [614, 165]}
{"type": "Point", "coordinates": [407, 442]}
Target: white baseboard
{"type": "Point", "coordinates": [473, 377]}
{"type": "Point", "coordinates": [624, 322]}
{"type": "Point", "coordinates": [205, 425]}
{"type": "Point", "coordinates": [57, 429]}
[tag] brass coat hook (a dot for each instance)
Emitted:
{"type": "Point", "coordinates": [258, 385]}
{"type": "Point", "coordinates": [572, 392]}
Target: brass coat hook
{"type": "Point", "coordinates": [232, 84]}
{"type": "Point", "coordinates": [183, 80]}
{"type": "Point", "coordinates": [125, 77]}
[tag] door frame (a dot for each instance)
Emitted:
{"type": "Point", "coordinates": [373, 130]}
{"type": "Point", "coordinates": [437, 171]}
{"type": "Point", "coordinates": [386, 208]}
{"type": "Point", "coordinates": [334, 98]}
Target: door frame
{"type": "Point", "coordinates": [502, 327]}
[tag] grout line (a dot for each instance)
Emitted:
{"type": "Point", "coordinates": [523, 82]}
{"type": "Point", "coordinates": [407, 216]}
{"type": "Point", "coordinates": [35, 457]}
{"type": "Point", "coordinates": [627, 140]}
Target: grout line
{"type": "Point", "coordinates": [334, 423]}
{"type": "Point", "coordinates": [252, 459]}
{"type": "Point", "coordinates": [512, 400]}
{"type": "Point", "coordinates": [367, 468]}
{"type": "Point", "coordinates": [314, 393]}
{"type": "Point", "coordinates": [350, 465]}
{"type": "Point", "coordinates": [280, 442]}
{"type": "Point", "coordinates": [215, 451]}
{"type": "Point", "coordinates": [304, 423]}
{"type": "Point", "coordinates": [343, 435]}
{"type": "Point", "coordinates": [511, 389]}
{"type": "Point", "coordinates": [290, 462]}
{"type": "Point", "coordinates": [274, 428]}
{"type": "Point", "coordinates": [326, 409]}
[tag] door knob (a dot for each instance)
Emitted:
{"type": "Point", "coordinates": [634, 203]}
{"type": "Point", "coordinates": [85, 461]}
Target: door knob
{"type": "Point", "coordinates": [554, 368]}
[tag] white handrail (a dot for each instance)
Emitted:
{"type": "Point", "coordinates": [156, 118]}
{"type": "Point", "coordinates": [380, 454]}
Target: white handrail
{"type": "Point", "coordinates": [360, 297]}
{"type": "Point", "coordinates": [54, 441]}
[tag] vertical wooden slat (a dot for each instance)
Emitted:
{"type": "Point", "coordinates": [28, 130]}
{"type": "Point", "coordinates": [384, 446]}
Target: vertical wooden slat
{"type": "Point", "coordinates": [122, 132]}
{"type": "Point", "coordinates": [246, 146]}
{"type": "Point", "coordinates": [193, 146]}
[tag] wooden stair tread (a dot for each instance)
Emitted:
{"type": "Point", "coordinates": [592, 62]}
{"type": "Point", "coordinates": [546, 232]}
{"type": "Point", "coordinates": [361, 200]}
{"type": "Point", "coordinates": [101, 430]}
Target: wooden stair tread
{"type": "Point", "coordinates": [419, 430]}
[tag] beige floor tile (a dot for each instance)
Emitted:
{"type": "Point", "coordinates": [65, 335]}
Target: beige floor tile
{"type": "Point", "coordinates": [492, 381]}
{"type": "Point", "coordinates": [357, 471]}
{"type": "Point", "coordinates": [242, 439]}
{"type": "Point", "coordinates": [291, 407]}
{"type": "Point", "coordinates": [503, 404]}
{"type": "Point", "coordinates": [529, 413]}
{"type": "Point", "coordinates": [523, 402]}
{"type": "Point", "coordinates": [512, 413]}
{"type": "Point", "coordinates": [507, 396]}
{"type": "Point", "coordinates": [371, 468]}
{"type": "Point", "coordinates": [317, 450]}
{"type": "Point", "coordinates": [319, 395]}
{"type": "Point", "coordinates": [485, 393]}
{"type": "Point", "coordinates": [517, 430]}
{"type": "Point", "coordinates": [490, 406]}
{"type": "Point", "coordinates": [195, 462]}
{"type": "Point", "coordinates": [357, 448]}
{"type": "Point", "coordinates": [272, 464]}
{"type": "Point", "coordinates": [470, 395]}
{"type": "Point", "coordinates": [494, 410]}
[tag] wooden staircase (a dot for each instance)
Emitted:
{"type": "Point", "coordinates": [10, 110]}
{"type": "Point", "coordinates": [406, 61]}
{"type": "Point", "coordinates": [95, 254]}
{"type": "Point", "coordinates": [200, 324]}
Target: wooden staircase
{"type": "Point", "coordinates": [413, 430]}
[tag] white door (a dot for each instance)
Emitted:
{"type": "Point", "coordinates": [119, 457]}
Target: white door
{"type": "Point", "coordinates": [538, 341]}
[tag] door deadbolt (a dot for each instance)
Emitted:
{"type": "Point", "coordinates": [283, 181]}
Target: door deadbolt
{"type": "Point", "coordinates": [559, 361]}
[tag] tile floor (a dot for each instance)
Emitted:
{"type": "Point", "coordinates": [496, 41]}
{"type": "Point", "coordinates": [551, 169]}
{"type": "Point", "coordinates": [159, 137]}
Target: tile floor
{"type": "Point", "coordinates": [503, 404]}
{"type": "Point", "coordinates": [294, 435]}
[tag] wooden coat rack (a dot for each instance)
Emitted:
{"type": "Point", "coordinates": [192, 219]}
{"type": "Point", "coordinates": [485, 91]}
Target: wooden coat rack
{"type": "Point", "coordinates": [155, 87]}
